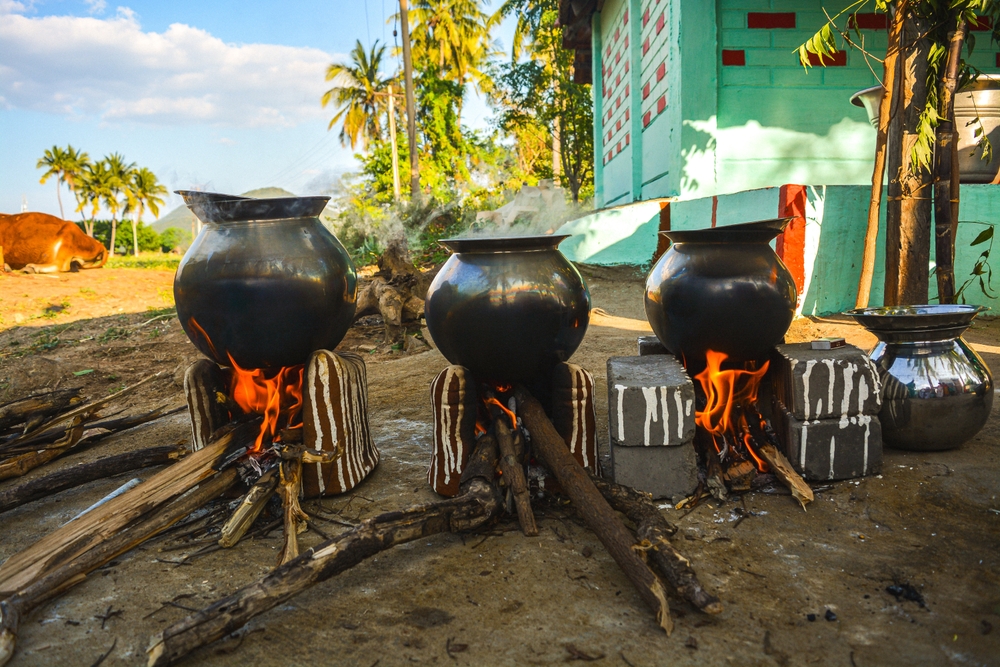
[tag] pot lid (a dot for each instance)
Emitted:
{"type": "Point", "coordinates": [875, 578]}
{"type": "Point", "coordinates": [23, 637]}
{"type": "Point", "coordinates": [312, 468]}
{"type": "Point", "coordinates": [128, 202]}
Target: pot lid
{"type": "Point", "coordinates": [921, 317]}
{"type": "Point", "coordinates": [761, 231]}
{"type": "Point", "coordinates": [504, 243]}
{"type": "Point", "coordinates": [216, 207]}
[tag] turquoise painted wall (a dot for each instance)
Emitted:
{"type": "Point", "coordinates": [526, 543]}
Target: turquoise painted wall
{"type": "Point", "coordinates": [728, 128]}
{"type": "Point", "coordinates": [836, 217]}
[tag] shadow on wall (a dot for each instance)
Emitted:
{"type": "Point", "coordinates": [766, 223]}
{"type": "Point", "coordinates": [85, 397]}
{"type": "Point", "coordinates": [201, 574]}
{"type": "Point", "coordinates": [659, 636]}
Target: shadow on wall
{"type": "Point", "coordinates": [620, 235]}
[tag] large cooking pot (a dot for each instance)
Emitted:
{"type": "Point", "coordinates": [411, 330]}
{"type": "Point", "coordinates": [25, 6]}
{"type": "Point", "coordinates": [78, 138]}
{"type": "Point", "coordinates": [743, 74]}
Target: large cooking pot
{"type": "Point", "coordinates": [264, 281]}
{"type": "Point", "coordinates": [721, 289]}
{"type": "Point", "coordinates": [975, 105]}
{"type": "Point", "coordinates": [937, 392]}
{"type": "Point", "coordinates": [508, 309]}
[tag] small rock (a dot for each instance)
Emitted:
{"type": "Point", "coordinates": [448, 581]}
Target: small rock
{"type": "Point", "coordinates": [830, 616]}
{"type": "Point", "coordinates": [810, 617]}
{"type": "Point", "coordinates": [415, 345]}
{"type": "Point", "coordinates": [587, 552]}
{"type": "Point", "coordinates": [691, 643]}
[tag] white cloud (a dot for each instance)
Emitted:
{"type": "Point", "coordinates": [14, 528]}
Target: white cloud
{"type": "Point", "coordinates": [96, 6]}
{"type": "Point", "coordinates": [111, 69]}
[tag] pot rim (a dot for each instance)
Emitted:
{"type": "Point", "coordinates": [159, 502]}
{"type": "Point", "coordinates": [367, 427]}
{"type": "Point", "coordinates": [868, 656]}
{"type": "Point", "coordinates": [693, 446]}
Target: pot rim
{"type": "Point", "coordinates": [495, 244]}
{"type": "Point", "coordinates": [213, 209]}
{"type": "Point", "coordinates": [916, 318]}
{"type": "Point", "coordinates": [985, 81]}
{"type": "Point", "coordinates": [759, 231]}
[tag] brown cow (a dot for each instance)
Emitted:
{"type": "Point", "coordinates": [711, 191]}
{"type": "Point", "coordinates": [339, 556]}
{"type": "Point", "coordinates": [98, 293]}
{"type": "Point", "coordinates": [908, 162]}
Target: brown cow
{"type": "Point", "coordinates": [45, 244]}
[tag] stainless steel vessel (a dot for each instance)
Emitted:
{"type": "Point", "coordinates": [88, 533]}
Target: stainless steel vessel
{"type": "Point", "coordinates": [936, 390]}
{"type": "Point", "coordinates": [975, 106]}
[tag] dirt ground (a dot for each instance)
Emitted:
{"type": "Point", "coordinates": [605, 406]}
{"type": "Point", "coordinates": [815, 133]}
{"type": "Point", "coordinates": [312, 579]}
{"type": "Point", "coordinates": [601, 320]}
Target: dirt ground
{"type": "Point", "coordinates": [930, 520]}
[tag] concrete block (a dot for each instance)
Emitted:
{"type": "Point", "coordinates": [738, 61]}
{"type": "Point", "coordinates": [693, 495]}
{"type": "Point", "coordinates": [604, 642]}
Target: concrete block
{"type": "Point", "coordinates": [650, 345]}
{"type": "Point", "coordinates": [650, 401]}
{"type": "Point", "coordinates": [826, 449]}
{"type": "Point", "coordinates": [824, 384]}
{"type": "Point", "coordinates": [665, 472]}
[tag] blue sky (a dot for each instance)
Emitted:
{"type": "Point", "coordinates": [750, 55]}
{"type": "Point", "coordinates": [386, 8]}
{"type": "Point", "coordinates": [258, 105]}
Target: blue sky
{"type": "Point", "coordinates": [218, 95]}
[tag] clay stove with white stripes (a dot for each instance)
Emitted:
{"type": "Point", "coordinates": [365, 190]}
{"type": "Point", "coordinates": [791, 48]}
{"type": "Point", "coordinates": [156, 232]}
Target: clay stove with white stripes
{"type": "Point", "coordinates": [320, 407]}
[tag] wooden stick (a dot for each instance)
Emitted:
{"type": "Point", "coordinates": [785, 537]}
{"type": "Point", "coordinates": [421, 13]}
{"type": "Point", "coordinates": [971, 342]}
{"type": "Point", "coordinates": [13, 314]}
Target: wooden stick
{"type": "Point", "coordinates": [80, 535]}
{"type": "Point", "coordinates": [601, 519]}
{"type": "Point", "coordinates": [295, 519]}
{"type": "Point", "coordinates": [56, 582]}
{"type": "Point", "coordinates": [513, 471]}
{"type": "Point", "coordinates": [249, 509]}
{"type": "Point", "coordinates": [782, 469]}
{"type": "Point", "coordinates": [478, 503]}
{"type": "Point", "coordinates": [82, 473]}
{"type": "Point", "coordinates": [891, 79]}
{"type": "Point", "coordinates": [39, 406]}
{"type": "Point", "coordinates": [653, 530]}
{"type": "Point", "coordinates": [22, 464]}
{"type": "Point", "coordinates": [96, 430]}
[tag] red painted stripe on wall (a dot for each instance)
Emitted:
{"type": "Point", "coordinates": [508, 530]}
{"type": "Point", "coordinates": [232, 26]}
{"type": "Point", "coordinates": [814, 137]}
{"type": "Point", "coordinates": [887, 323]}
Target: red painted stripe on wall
{"type": "Point", "coordinates": [661, 104]}
{"type": "Point", "coordinates": [660, 22]}
{"type": "Point", "coordinates": [868, 21]}
{"type": "Point", "coordinates": [982, 23]}
{"type": "Point", "coordinates": [770, 20]}
{"type": "Point", "coordinates": [645, 89]}
{"type": "Point", "coordinates": [791, 243]}
{"type": "Point", "coordinates": [661, 72]}
{"type": "Point", "coordinates": [646, 117]}
{"type": "Point", "coordinates": [839, 59]}
{"type": "Point", "coordinates": [645, 46]}
{"type": "Point", "coordinates": [645, 17]}
{"type": "Point", "coordinates": [737, 58]}
{"type": "Point", "coordinates": [998, 60]}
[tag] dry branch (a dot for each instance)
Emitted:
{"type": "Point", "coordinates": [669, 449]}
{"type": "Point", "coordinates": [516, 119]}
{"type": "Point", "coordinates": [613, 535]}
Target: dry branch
{"type": "Point", "coordinates": [478, 503]}
{"type": "Point", "coordinates": [653, 531]}
{"type": "Point", "coordinates": [600, 518]}
{"type": "Point", "coordinates": [513, 471]}
{"type": "Point", "coordinates": [56, 582]}
{"type": "Point", "coordinates": [782, 469]}
{"type": "Point", "coordinates": [249, 509]}
{"type": "Point", "coordinates": [36, 408]}
{"type": "Point", "coordinates": [82, 473]}
{"type": "Point", "coordinates": [82, 534]}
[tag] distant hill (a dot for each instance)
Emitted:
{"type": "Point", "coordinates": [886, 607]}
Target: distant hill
{"type": "Point", "coordinates": [182, 217]}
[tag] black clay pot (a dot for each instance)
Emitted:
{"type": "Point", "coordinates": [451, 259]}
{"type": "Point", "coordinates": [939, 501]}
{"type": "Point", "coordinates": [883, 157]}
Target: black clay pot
{"type": "Point", "coordinates": [508, 309]}
{"type": "Point", "coordinates": [721, 289]}
{"type": "Point", "coordinates": [264, 281]}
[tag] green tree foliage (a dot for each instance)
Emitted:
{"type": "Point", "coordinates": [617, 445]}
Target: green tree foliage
{"type": "Point", "coordinates": [148, 239]}
{"type": "Point", "coordinates": [359, 95]}
{"type": "Point", "coordinates": [144, 192]}
{"type": "Point", "coordinates": [534, 94]}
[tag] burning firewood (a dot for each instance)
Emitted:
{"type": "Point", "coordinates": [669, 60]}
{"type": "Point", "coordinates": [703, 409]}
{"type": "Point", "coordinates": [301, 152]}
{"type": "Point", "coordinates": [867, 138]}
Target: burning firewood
{"type": "Point", "coordinates": [478, 503]}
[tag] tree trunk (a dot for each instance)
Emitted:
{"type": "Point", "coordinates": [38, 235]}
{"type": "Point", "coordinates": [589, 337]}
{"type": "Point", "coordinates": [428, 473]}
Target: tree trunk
{"type": "Point", "coordinates": [946, 198]}
{"type": "Point", "coordinates": [885, 115]}
{"type": "Point", "coordinates": [411, 104]}
{"type": "Point", "coordinates": [135, 236]}
{"type": "Point", "coordinates": [59, 198]}
{"type": "Point", "coordinates": [114, 228]}
{"type": "Point", "coordinates": [909, 248]}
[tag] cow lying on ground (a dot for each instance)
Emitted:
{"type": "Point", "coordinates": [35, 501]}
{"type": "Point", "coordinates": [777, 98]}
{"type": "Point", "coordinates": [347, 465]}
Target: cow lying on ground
{"type": "Point", "coordinates": [46, 244]}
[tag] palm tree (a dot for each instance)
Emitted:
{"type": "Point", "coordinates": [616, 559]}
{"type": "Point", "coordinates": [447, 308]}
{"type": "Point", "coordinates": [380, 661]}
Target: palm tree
{"type": "Point", "coordinates": [76, 165]}
{"type": "Point", "coordinates": [359, 96]}
{"type": "Point", "coordinates": [117, 187]}
{"type": "Point", "coordinates": [94, 188]}
{"type": "Point", "coordinates": [146, 192]}
{"type": "Point", "coordinates": [55, 160]}
{"type": "Point", "coordinates": [453, 36]}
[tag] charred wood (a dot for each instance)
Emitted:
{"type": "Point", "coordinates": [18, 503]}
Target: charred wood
{"type": "Point", "coordinates": [82, 473]}
{"type": "Point", "coordinates": [653, 530]}
{"type": "Point", "coordinates": [478, 503]}
{"type": "Point", "coordinates": [549, 446]}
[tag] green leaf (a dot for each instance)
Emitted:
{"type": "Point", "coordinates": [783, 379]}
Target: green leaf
{"type": "Point", "coordinates": [984, 236]}
{"type": "Point", "coordinates": [86, 372]}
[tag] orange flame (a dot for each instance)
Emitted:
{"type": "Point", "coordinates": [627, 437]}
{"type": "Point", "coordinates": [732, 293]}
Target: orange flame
{"type": "Point", "coordinates": [511, 415]}
{"type": "Point", "coordinates": [271, 397]}
{"type": "Point", "coordinates": [724, 390]}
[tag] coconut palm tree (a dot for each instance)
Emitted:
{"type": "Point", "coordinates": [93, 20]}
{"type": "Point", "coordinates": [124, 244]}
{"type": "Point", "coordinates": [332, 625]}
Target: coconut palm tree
{"type": "Point", "coordinates": [94, 188]}
{"type": "Point", "coordinates": [117, 194]}
{"type": "Point", "coordinates": [54, 160]}
{"type": "Point", "coordinates": [76, 164]}
{"type": "Point", "coordinates": [146, 192]}
{"type": "Point", "coordinates": [359, 95]}
{"type": "Point", "coordinates": [454, 37]}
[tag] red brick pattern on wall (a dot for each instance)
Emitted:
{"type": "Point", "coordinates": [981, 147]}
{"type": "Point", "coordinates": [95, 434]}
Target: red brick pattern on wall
{"type": "Point", "coordinates": [615, 79]}
{"type": "Point", "coordinates": [656, 36]}
{"type": "Point", "coordinates": [770, 20]}
{"type": "Point", "coordinates": [734, 57]}
{"type": "Point", "coordinates": [868, 22]}
{"type": "Point", "coordinates": [838, 59]}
